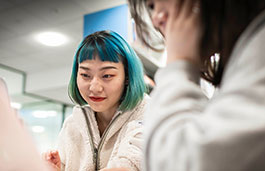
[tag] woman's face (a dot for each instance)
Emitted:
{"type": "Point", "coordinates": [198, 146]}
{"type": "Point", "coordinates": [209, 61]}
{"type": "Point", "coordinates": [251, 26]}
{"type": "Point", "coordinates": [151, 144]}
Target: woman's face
{"type": "Point", "coordinates": [159, 12]}
{"type": "Point", "coordinates": [101, 84]}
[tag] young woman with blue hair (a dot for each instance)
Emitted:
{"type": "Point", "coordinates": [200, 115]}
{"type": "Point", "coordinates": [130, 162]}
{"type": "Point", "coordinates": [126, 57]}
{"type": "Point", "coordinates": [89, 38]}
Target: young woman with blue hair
{"type": "Point", "coordinates": [105, 129]}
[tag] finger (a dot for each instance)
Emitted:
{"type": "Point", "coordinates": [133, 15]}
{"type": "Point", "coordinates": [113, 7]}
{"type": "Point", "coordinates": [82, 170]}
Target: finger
{"type": "Point", "coordinates": [172, 18]}
{"type": "Point", "coordinates": [53, 153]}
{"type": "Point", "coordinates": [175, 8]}
{"type": "Point", "coordinates": [46, 155]}
{"type": "Point", "coordinates": [186, 8]}
{"type": "Point", "coordinates": [49, 155]}
{"type": "Point", "coordinates": [56, 157]}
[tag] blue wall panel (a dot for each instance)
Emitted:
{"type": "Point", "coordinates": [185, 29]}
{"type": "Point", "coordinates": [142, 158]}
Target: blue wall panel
{"type": "Point", "coordinates": [115, 19]}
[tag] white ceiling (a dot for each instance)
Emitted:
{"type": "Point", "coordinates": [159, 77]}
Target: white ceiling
{"type": "Point", "coordinates": [20, 20]}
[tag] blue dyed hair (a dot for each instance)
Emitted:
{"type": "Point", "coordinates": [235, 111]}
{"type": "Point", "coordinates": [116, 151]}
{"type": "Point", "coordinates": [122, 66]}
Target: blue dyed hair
{"type": "Point", "coordinates": [110, 46]}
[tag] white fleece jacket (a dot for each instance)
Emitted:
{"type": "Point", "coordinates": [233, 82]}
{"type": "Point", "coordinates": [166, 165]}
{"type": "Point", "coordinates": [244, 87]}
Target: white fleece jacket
{"type": "Point", "coordinates": [186, 132]}
{"type": "Point", "coordinates": [121, 145]}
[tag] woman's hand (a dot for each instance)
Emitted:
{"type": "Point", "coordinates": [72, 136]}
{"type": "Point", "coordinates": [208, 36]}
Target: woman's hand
{"type": "Point", "coordinates": [53, 159]}
{"type": "Point", "coordinates": [182, 33]}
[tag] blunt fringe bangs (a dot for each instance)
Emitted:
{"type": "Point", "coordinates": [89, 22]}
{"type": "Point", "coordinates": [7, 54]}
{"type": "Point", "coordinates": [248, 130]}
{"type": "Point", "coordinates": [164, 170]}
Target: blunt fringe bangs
{"type": "Point", "coordinates": [110, 46]}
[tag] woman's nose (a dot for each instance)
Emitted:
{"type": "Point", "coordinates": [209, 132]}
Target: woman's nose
{"type": "Point", "coordinates": [159, 19]}
{"type": "Point", "coordinates": [95, 86]}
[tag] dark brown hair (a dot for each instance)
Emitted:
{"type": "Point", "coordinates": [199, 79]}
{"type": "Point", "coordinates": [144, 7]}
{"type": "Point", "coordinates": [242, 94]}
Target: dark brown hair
{"type": "Point", "coordinates": [223, 22]}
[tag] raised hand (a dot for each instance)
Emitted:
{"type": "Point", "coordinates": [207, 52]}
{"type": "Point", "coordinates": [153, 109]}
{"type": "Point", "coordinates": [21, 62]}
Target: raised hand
{"type": "Point", "coordinates": [53, 159]}
{"type": "Point", "coordinates": [183, 32]}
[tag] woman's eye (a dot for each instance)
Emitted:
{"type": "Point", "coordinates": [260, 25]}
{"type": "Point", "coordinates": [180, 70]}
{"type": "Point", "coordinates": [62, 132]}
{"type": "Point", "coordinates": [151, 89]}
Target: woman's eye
{"type": "Point", "coordinates": [107, 76]}
{"type": "Point", "coordinates": [85, 75]}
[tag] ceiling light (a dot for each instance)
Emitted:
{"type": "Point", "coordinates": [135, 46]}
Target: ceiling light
{"type": "Point", "coordinates": [38, 129]}
{"type": "Point", "coordinates": [44, 114]}
{"type": "Point", "coordinates": [16, 105]}
{"type": "Point", "coordinates": [51, 38]}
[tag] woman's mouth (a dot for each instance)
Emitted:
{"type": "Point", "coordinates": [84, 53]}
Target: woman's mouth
{"type": "Point", "coordinates": [97, 99]}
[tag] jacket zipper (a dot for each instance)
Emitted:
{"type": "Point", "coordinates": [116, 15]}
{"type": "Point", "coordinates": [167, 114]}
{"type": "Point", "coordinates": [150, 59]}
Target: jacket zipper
{"type": "Point", "coordinates": [93, 148]}
{"type": "Point", "coordinates": [102, 141]}
{"type": "Point", "coordinates": [95, 158]}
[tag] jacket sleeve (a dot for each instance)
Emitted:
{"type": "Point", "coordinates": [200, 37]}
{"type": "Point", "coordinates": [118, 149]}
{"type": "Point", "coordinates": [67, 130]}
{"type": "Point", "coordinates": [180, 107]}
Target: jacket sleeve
{"type": "Point", "coordinates": [185, 131]}
{"type": "Point", "coordinates": [129, 149]}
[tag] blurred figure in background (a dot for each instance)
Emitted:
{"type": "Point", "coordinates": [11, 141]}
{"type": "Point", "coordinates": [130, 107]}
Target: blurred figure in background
{"type": "Point", "coordinates": [185, 130]}
{"type": "Point", "coordinates": [105, 129]}
{"type": "Point", "coordinates": [150, 84]}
